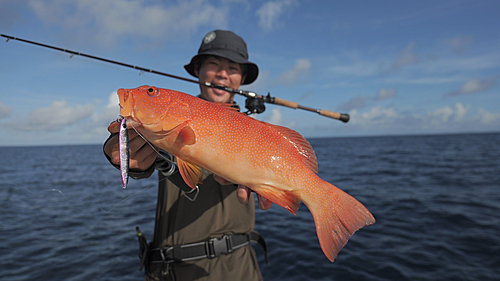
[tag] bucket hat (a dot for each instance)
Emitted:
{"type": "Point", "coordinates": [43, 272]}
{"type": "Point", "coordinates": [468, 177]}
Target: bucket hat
{"type": "Point", "coordinates": [225, 44]}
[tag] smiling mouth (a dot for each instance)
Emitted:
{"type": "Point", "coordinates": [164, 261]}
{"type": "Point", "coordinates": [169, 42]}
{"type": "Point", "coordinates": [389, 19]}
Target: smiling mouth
{"type": "Point", "coordinates": [219, 91]}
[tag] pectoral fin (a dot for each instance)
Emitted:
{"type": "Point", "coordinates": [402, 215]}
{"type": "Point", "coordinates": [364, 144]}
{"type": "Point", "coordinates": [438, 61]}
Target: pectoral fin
{"type": "Point", "coordinates": [191, 174]}
{"type": "Point", "coordinates": [186, 136]}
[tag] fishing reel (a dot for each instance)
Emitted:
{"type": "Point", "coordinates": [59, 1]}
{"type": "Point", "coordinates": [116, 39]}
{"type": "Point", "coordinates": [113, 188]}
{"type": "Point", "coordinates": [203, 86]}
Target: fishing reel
{"type": "Point", "coordinates": [254, 105]}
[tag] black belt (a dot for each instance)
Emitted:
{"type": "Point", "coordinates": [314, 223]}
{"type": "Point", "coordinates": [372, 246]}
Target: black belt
{"type": "Point", "coordinates": [211, 248]}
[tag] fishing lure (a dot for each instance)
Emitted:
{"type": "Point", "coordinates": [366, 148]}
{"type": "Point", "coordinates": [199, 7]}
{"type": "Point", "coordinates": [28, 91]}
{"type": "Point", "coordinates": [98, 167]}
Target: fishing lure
{"type": "Point", "coordinates": [124, 152]}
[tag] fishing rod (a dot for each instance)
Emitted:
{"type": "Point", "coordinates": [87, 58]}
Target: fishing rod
{"type": "Point", "coordinates": [254, 101]}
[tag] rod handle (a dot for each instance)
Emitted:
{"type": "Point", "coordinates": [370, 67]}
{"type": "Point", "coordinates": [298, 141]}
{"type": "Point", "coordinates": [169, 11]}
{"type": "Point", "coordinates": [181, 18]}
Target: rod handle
{"type": "Point", "coordinates": [335, 115]}
{"type": "Point", "coordinates": [286, 103]}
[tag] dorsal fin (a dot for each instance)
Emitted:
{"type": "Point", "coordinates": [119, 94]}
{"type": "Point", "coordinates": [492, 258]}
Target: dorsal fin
{"type": "Point", "coordinates": [301, 144]}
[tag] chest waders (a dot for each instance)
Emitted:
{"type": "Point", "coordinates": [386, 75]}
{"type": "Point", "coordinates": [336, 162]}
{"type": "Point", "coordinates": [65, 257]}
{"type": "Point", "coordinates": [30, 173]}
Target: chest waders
{"type": "Point", "coordinates": [208, 249]}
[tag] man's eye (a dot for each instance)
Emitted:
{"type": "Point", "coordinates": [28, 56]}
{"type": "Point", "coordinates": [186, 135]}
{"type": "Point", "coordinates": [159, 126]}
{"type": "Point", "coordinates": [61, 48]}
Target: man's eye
{"type": "Point", "coordinates": [234, 70]}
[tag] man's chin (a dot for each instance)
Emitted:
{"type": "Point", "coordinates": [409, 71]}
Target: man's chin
{"type": "Point", "coordinates": [226, 97]}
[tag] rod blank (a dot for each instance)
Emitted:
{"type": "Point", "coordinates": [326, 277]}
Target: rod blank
{"type": "Point", "coordinates": [335, 115]}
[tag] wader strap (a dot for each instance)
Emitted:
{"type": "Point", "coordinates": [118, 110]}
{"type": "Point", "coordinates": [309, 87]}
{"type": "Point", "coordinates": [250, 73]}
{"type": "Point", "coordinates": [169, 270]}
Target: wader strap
{"type": "Point", "coordinates": [143, 247]}
{"type": "Point", "coordinates": [206, 249]}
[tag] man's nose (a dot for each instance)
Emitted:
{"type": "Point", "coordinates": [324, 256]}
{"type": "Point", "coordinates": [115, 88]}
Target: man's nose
{"type": "Point", "coordinates": [222, 72]}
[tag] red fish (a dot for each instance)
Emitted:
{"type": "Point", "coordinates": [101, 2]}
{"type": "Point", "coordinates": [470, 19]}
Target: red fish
{"type": "Point", "coordinates": [274, 161]}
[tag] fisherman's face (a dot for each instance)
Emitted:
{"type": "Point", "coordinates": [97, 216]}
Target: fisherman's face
{"type": "Point", "coordinates": [217, 70]}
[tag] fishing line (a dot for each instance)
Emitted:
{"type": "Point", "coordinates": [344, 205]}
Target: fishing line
{"type": "Point", "coordinates": [88, 196]}
{"type": "Point", "coordinates": [248, 94]}
{"type": "Point", "coordinates": [152, 146]}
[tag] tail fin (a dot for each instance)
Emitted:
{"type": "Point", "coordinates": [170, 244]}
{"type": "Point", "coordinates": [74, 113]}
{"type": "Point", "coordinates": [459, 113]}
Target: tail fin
{"type": "Point", "coordinates": [337, 216]}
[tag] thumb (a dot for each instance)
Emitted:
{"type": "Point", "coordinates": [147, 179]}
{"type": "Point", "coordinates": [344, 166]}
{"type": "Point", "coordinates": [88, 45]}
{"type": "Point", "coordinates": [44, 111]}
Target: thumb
{"type": "Point", "coordinates": [114, 127]}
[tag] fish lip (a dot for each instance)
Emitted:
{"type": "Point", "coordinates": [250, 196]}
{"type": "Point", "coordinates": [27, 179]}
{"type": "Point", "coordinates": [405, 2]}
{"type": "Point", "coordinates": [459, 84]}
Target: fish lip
{"type": "Point", "coordinates": [125, 102]}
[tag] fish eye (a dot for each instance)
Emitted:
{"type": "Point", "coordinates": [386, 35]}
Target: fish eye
{"type": "Point", "coordinates": [152, 92]}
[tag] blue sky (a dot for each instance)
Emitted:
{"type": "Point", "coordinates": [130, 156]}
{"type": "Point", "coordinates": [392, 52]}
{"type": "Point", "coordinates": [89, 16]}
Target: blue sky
{"type": "Point", "coordinates": [397, 67]}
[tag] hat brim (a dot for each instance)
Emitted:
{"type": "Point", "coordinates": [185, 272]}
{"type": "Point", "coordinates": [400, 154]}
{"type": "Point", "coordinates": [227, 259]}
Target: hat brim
{"type": "Point", "coordinates": [252, 69]}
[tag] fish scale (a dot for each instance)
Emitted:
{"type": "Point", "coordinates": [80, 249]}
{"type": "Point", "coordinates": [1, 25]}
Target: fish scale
{"type": "Point", "coordinates": [274, 161]}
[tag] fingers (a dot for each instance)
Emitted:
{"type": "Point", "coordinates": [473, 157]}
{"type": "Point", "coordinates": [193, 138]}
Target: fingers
{"type": "Point", "coordinates": [142, 155]}
{"type": "Point", "coordinates": [114, 127]}
{"type": "Point", "coordinates": [111, 149]}
{"type": "Point", "coordinates": [221, 180]}
{"type": "Point", "coordinates": [264, 203]}
{"type": "Point", "coordinates": [243, 194]}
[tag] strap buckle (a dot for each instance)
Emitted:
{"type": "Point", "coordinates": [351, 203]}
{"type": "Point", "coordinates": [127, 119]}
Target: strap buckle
{"type": "Point", "coordinates": [165, 254]}
{"type": "Point", "coordinates": [216, 247]}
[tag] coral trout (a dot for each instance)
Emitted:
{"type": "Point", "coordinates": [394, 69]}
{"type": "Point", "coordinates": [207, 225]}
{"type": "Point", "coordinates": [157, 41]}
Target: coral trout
{"type": "Point", "coordinates": [274, 161]}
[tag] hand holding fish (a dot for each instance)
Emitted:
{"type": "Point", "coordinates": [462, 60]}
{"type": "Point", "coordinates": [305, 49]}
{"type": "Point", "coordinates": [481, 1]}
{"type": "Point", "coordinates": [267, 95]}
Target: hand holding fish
{"type": "Point", "coordinates": [142, 155]}
{"type": "Point", "coordinates": [244, 193]}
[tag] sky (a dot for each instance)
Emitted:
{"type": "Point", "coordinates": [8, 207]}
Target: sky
{"type": "Point", "coordinates": [396, 67]}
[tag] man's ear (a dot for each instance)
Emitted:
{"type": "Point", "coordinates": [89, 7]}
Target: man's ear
{"type": "Point", "coordinates": [243, 78]}
{"type": "Point", "coordinates": [197, 66]}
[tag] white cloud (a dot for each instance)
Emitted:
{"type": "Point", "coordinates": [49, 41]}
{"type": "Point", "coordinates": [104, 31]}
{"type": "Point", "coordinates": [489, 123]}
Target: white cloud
{"type": "Point", "coordinates": [432, 80]}
{"type": "Point", "coordinates": [364, 101]}
{"type": "Point", "coordinates": [459, 43]}
{"type": "Point", "coordinates": [55, 116]}
{"type": "Point", "coordinates": [5, 111]}
{"type": "Point", "coordinates": [486, 117]}
{"type": "Point", "coordinates": [111, 111]}
{"type": "Point", "coordinates": [460, 111]}
{"type": "Point", "coordinates": [440, 115]}
{"type": "Point", "coordinates": [381, 121]}
{"type": "Point", "coordinates": [375, 116]}
{"type": "Point", "coordinates": [443, 116]}
{"type": "Point", "coordinates": [96, 128]}
{"type": "Point", "coordinates": [111, 20]}
{"type": "Point", "coordinates": [384, 94]}
{"type": "Point", "coordinates": [474, 86]}
{"type": "Point", "coordinates": [271, 11]}
{"type": "Point", "coordinates": [113, 101]}
{"type": "Point", "coordinates": [262, 83]}
{"type": "Point", "coordinates": [300, 69]}
{"type": "Point", "coordinates": [452, 64]}
{"type": "Point", "coordinates": [406, 57]}
{"type": "Point", "coordinates": [276, 117]}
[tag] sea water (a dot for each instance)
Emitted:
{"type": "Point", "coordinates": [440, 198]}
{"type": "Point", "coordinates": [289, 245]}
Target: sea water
{"type": "Point", "coordinates": [436, 199]}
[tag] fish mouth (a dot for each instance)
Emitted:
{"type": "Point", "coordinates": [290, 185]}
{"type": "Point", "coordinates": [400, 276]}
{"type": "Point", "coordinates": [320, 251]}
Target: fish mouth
{"type": "Point", "coordinates": [125, 103]}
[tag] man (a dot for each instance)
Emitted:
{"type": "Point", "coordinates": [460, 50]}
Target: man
{"type": "Point", "coordinates": [201, 234]}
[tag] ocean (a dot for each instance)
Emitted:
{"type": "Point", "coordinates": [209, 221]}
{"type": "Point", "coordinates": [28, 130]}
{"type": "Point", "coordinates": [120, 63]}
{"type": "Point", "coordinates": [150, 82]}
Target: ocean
{"type": "Point", "coordinates": [436, 199]}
